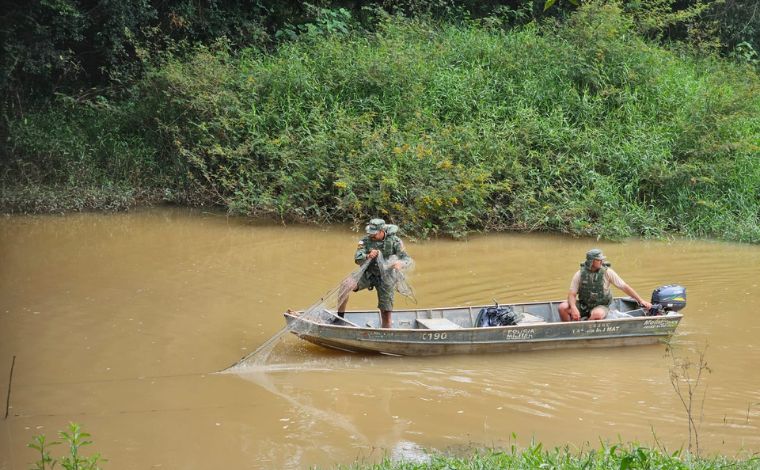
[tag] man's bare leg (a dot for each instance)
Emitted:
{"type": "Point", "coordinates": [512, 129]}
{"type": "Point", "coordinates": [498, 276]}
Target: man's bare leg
{"type": "Point", "coordinates": [564, 311]}
{"type": "Point", "coordinates": [346, 287]}
{"type": "Point", "coordinates": [598, 313]}
{"type": "Point", "coordinates": [386, 316]}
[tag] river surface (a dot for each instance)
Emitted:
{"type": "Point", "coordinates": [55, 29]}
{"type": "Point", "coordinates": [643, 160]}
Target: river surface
{"type": "Point", "coordinates": [120, 322]}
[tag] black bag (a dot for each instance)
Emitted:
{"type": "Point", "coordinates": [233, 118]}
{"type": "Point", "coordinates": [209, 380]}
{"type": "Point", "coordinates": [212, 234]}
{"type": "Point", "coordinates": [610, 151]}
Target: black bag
{"type": "Point", "coordinates": [497, 316]}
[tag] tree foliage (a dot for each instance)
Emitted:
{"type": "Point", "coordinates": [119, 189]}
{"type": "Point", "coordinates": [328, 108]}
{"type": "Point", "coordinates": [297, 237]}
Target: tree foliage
{"type": "Point", "coordinates": [71, 46]}
{"type": "Point", "coordinates": [584, 126]}
{"type": "Point", "coordinates": [606, 119]}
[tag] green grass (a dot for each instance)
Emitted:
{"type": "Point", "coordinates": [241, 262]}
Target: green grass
{"type": "Point", "coordinates": [583, 128]}
{"type": "Point", "coordinates": [535, 456]}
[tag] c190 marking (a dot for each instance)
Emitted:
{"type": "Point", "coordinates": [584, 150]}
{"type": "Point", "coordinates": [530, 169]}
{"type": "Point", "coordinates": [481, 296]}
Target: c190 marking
{"type": "Point", "coordinates": [433, 336]}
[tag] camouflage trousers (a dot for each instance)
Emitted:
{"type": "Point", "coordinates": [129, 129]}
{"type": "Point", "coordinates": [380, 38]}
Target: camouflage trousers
{"type": "Point", "coordinates": [384, 291]}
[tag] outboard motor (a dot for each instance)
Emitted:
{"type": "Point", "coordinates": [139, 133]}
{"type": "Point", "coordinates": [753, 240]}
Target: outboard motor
{"type": "Point", "coordinates": [670, 298]}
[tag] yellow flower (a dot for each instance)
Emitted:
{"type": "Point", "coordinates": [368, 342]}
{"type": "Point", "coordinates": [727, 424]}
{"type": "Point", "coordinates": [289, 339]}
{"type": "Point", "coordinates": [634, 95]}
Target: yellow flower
{"type": "Point", "coordinates": [445, 165]}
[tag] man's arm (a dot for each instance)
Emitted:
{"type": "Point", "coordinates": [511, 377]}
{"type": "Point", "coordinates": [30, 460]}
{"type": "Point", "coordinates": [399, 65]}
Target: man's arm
{"type": "Point", "coordinates": [575, 314]}
{"type": "Point", "coordinates": [615, 279]}
{"type": "Point", "coordinates": [630, 291]}
{"type": "Point", "coordinates": [399, 249]}
{"type": "Point", "coordinates": [400, 252]}
{"type": "Point", "coordinates": [361, 252]}
{"type": "Point", "coordinates": [572, 294]}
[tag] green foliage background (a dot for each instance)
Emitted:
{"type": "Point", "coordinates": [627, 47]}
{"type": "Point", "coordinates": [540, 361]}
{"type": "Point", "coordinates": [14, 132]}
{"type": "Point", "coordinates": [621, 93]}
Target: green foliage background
{"type": "Point", "coordinates": [89, 46]}
{"type": "Point", "coordinates": [587, 126]}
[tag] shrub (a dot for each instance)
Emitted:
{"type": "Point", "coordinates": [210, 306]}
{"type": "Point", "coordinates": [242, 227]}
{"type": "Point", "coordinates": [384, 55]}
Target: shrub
{"type": "Point", "coordinates": [583, 127]}
{"type": "Point", "coordinates": [74, 460]}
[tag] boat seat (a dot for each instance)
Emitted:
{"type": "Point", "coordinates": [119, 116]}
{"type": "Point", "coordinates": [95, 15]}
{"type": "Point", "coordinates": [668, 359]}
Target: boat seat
{"type": "Point", "coordinates": [528, 318]}
{"type": "Point", "coordinates": [436, 324]}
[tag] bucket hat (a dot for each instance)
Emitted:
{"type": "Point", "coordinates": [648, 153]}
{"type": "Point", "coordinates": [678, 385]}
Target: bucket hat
{"type": "Point", "coordinates": [374, 226]}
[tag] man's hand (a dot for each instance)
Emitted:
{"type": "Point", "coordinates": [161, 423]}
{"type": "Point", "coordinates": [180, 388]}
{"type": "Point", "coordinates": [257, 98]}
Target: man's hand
{"type": "Point", "coordinates": [398, 265]}
{"type": "Point", "coordinates": [575, 315]}
{"type": "Point", "coordinates": [372, 254]}
{"type": "Point", "coordinates": [645, 304]}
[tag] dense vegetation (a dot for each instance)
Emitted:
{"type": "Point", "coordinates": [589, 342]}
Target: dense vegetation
{"type": "Point", "coordinates": [612, 457]}
{"type": "Point", "coordinates": [71, 45]}
{"type": "Point", "coordinates": [586, 124]}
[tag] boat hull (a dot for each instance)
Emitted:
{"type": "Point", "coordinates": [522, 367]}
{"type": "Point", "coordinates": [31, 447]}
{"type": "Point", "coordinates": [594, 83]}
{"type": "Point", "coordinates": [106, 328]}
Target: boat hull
{"type": "Point", "coordinates": [462, 338]}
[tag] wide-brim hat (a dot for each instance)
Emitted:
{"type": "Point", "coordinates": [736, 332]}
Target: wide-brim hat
{"type": "Point", "coordinates": [595, 253]}
{"type": "Point", "coordinates": [374, 226]}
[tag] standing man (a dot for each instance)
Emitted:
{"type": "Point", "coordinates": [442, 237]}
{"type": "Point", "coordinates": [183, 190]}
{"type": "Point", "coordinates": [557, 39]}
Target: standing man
{"type": "Point", "coordinates": [380, 239]}
{"type": "Point", "coordinates": [591, 285]}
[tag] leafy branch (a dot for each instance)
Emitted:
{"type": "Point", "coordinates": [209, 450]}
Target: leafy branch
{"type": "Point", "coordinates": [76, 439]}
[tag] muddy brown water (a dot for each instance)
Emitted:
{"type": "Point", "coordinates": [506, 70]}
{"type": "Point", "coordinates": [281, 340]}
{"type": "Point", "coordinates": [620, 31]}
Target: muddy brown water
{"type": "Point", "coordinates": [119, 322]}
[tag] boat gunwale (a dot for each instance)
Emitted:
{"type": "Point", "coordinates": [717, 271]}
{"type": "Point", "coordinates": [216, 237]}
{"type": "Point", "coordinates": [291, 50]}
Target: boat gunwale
{"type": "Point", "coordinates": [672, 316]}
{"type": "Point", "coordinates": [521, 340]}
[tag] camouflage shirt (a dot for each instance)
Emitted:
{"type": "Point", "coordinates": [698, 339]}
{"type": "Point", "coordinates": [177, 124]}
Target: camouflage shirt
{"type": "Point", "coordinates": [389, 246]}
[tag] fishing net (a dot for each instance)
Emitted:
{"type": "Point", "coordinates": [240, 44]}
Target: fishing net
{"type": "Point", "coordinates": [393, 273]}
{"type": "Point", "coordinates": [323, 310]}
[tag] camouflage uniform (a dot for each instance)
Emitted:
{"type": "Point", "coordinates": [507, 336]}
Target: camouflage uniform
{"type": "Point", "coordinates": [593, 287]}
{"type": "Point", "coordinates": [389, 246]}
{"type": "Point", "coordinates": [592, 292]}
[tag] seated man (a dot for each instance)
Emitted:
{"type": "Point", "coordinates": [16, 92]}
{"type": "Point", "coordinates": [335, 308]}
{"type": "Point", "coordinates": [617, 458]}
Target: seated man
{"type": "Point", "coordinates": [591, 285]}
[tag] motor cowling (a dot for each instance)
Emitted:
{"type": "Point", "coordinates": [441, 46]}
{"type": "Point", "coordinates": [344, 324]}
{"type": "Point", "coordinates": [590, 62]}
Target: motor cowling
{"type": "Point", "coordinates": [670, 298]}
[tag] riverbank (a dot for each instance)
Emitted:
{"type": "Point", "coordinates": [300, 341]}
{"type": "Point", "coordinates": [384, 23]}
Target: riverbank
{"type": "Point", "coordinates": [586, 128]}
{"type": "Point", "coordinates": [61, 199]}
{"type": "Point", "coordinates": [617, 456]}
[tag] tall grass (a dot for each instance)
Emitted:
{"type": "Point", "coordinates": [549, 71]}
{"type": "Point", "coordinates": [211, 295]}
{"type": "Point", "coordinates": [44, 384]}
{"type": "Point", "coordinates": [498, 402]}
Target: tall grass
{"type": "Point", "coordinates": [583, 128]}
{"type": "Point", "coordinates": [612, 457]}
